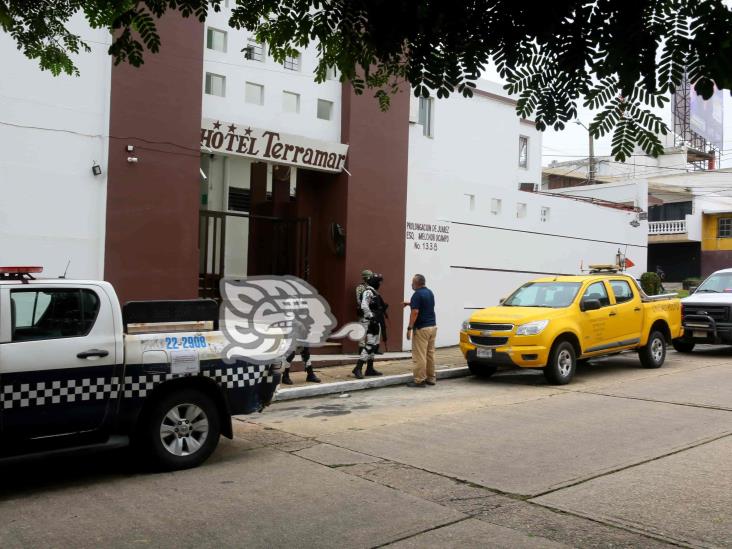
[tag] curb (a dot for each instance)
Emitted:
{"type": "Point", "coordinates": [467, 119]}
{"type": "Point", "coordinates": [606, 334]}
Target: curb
{"type": "Point", "coordinates": [360, 384]}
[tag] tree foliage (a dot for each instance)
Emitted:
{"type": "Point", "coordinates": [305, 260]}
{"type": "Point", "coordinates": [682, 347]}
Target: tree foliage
{"type": "Point", "coordinates": [619, 58]}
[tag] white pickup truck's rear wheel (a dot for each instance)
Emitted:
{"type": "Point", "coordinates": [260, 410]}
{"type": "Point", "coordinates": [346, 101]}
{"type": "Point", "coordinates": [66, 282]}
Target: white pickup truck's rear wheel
{"type": "Point", "coordinates": [653, 354]}
{"type": "Point", "coordinates": [562, 364]}
{"type": "Point", "coordinates": [182, 429]}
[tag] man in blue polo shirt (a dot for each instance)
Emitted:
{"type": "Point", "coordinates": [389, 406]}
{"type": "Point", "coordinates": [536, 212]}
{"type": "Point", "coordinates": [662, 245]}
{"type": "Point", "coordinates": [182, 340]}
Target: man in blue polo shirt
{"type": "Point", "coordinates": [422, 330]}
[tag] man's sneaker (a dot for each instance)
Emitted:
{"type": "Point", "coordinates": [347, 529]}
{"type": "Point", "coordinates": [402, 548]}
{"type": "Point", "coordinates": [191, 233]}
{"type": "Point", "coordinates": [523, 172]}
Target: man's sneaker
{"type": "Point", "coordinates": [414, 384]}
{"type": "Point", "coordinates": [428, 382]}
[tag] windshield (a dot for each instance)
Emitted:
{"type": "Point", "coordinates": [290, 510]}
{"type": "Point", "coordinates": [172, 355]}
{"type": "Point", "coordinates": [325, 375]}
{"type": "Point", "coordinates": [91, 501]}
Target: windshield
{"type": "Point", "coordinates": [544, 294]}
{"type": "Point", "coordinates": [716, 284]}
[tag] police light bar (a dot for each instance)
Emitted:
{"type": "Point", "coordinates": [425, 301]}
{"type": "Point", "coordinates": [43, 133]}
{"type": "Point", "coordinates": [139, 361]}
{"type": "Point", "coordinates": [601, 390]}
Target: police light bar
{"type": "Point", "coordinates": [24, 274]}
{"type": "Point", "coordinates": [20, 270]}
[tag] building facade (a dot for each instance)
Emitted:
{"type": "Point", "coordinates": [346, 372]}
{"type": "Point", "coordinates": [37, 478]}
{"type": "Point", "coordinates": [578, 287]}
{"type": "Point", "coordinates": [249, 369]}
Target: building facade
{"type": "Point", "coordinates": [214, 160]}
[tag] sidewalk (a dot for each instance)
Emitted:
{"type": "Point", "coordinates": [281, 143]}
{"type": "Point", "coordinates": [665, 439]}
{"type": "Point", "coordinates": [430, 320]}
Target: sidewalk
{"type": "Point", "coordinates": [389, 364]}
{"type": "Point", "coordinates": [449, 363]}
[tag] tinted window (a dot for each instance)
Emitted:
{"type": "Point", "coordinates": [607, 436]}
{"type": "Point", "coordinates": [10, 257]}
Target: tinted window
{"type": "Point", "coordinates": [622, 291]}
{"type": "Point", "coordinates": [597, 291]}
{"type": "Point", "coordinates": [50, 314]}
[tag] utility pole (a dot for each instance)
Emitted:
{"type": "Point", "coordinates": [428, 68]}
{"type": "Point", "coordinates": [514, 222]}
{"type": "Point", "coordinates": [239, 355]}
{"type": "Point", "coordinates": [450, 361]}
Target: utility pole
{"type": "Point", "coordinates": [591, 169]}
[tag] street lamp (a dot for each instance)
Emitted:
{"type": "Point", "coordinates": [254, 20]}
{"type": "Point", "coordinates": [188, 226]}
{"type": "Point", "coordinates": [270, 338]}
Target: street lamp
{"type": "Point", "coordinates": [591, 174]}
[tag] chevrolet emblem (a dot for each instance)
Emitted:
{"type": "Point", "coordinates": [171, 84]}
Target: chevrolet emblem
{"type": "Point", "coordinates": [486, 333]}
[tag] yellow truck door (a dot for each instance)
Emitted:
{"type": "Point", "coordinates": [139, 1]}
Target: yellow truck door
{"type": "Point", "coordinates": [625, 321]}
{"type": "Point", "coordinates": [594, 323]}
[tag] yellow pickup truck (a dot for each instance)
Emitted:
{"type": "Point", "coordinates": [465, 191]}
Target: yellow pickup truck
{"type": "Point", "coordinates": [552, 323]}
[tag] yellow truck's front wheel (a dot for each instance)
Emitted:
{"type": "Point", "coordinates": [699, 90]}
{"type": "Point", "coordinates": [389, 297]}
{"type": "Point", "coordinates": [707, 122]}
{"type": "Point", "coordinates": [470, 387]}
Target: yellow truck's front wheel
{"type": "Point", "coordinates": [562, 363]}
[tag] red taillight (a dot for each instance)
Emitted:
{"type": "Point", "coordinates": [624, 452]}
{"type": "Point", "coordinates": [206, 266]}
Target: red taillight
{"type": "Point", "coordinates": [20, 270]}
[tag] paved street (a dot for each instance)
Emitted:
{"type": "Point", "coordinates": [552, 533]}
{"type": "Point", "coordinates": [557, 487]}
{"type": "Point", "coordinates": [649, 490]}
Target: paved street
{"type": "Point", "coordinates": [622, 457]}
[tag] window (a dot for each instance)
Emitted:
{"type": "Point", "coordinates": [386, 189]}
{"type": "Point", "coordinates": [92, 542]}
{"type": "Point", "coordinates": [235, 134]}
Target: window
{"type": "Point", "coordinates": [254, 51]}
{"type": "Point", "coordinates": [290, 102]}
{"type": "Point", "coordinates": [426, 112]}
{"type": "Point", "coordinates": [215, 84]}
{"type": "Point", "coordinates": [725, 227]}
{"type": "Point", "coordinates": [621, 290]}
{"type": "Point", "coordinates": [325, 109]}
{"type": "Point", "coordinates": [544, 294]}
{"type": "Point", "coordinates": [52, 314]}
{"type": "Point", "coordinates": [292, 62]}
{"type": "Point", "coordinates": [496, 205]}
{"type": "Point", "coordinates": [520, 210]}
{"type": "Point", "coordinates": [597, 291]}
{"type": "Point", "coordinates": [523, 159]}
{"type": "Point", "coordinates": [254, 94]}
{"type": "Point", "coordinates": [239, 199]}
{"type": "Point", "coordinates": [545, 214]}
{"type": "Point", "coordinates": [215, 39]}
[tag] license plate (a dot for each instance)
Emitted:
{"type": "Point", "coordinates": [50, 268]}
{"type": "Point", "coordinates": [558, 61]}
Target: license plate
{"type": "Point", "coordinates": [485, 353]}
{"type": "Point", "coordinates": [702, 335]}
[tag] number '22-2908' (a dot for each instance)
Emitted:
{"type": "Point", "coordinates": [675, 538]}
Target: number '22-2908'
{"type": "Point", "coordinates": [188, 342]}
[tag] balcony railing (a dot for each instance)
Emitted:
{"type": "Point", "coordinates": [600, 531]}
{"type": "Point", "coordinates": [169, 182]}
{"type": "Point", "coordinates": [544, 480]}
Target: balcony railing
{"type": "Point", "coordinates": [667, 227]}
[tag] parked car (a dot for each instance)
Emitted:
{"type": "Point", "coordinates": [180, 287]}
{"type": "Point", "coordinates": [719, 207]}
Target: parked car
{"type": "Point", "coordinates": [77, 371]}
{"type": "Point", "coordinates": [706, 313]}
{"type": "Point", "coordinates": [553, 322]}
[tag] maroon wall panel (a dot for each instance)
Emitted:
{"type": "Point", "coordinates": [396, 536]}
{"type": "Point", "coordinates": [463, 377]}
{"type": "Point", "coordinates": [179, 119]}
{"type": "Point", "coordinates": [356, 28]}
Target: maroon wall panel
{"type": "Point", "coordinates": [152, 206]}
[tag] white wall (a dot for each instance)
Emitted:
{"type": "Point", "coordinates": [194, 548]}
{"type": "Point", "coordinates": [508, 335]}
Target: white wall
{"type": "Point", "coordinates": [634, 191]}
{"type": "Point", "coordinates": [475, 152]}
{"type": "Point", "coordinates": [275, 80]}
{"type": "Point", "coordinates": [52, 129]}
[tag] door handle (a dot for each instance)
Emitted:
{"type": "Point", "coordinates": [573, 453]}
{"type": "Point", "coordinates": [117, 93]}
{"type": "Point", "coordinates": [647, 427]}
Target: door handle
{"type": "Point", "coordinates": [92, 352]}
{"type": "Point", "coordinates": [613, 314]}
{"type": "Point", "coordinates": [637, 309]}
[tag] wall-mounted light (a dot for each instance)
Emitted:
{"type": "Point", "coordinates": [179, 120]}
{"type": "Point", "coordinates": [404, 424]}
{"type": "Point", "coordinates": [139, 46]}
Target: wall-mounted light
{"type": "Point", "coordinates": [132, 159]}
{"type": "Point", "coordinates": [96, 168]}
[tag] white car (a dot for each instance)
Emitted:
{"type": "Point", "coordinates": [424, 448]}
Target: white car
{"type": "Point", "coordinates": [707, 313]}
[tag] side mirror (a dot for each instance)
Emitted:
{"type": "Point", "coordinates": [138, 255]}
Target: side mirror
{"type": "Point", "coordinates": [590, 305]}
{"type": "Point", "coordinates": [501, 301]}
{"type": "Point", "coordinates": [692, 289]}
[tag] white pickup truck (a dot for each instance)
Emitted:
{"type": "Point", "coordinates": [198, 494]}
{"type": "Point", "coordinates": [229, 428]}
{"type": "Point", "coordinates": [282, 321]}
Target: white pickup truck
{"type": "Point", "coordinates": [78, 371]}
{"type": "Point", "coordinates": [707, 313]}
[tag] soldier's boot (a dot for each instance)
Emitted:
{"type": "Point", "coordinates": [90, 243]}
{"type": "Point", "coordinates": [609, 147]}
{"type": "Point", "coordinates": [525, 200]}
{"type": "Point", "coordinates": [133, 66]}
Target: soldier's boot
{"type": "Point", "coordinates": [370, 370]}
{"type": "Point", "coordinates": [286, 377]}
{"type": "Point", "coordinates": [311, 375]}
{"type": "Point", "coordinates": [357, 370]}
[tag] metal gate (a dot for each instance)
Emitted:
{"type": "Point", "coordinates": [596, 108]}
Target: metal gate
{"type": "Point", "coordinates": [274, 246]}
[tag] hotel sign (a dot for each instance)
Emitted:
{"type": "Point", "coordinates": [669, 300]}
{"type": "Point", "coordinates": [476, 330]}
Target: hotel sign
{"type": "Point", "coordinates": [281, 148]}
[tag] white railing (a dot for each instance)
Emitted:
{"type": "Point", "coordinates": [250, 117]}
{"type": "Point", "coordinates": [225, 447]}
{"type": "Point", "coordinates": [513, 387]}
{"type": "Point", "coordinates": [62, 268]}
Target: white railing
{"type": "Point", "coordinates": [667, 227]}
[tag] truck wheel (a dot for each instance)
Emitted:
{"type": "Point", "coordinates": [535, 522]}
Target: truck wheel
{"type": "Point", "coordinates": [654, 353]}
{"type": "Point", "coordinates": [482, 370]}
{"type": "Point", "coordinates": [683, 346]}
{"type": "Point", "coordinates": [181, 430]}
{"type": "Point", "coordinates": [562, 364]}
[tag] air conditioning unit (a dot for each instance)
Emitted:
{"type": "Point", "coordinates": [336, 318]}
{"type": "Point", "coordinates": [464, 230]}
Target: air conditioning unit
{"type": "Point", "coordinates": [529, 187]}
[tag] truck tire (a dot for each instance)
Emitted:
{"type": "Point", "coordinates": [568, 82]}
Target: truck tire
{"type": "Point", "coordinates": [562, 364]}
{"type": "Point", "coordinates": [182, 430]}
{"type": "Point", "coordinates": [683, 346]}
{"type": "Point", "coordinates": [653, 354]}
{"type": "Point", "coordinates": [482, 370]}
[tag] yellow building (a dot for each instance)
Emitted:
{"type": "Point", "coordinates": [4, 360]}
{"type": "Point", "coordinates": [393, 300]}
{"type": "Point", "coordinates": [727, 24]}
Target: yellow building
{"type": "Point", "coordinates": [716, 241]}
